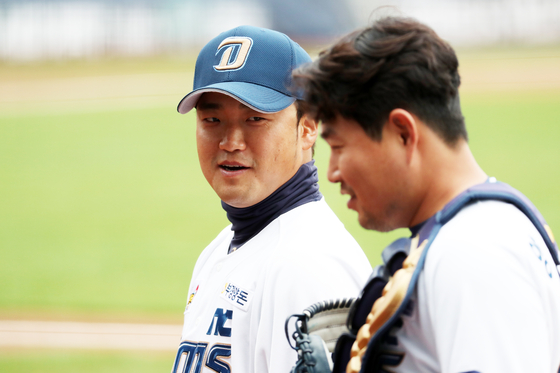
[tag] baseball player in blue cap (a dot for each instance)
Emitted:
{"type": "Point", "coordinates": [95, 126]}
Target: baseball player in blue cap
{"type": "Point", "coordinates": [255, 150]}
{"type": "Point", "coordinates": [476, 287]}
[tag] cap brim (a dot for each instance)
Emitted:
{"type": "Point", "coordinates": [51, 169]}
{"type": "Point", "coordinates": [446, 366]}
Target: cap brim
{"type": "Point", "coordinates": [257, 97]}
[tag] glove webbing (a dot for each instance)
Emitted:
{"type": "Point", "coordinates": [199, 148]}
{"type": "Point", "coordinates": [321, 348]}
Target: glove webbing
{"type": "Point", "coordinates": [321, 320]}
{"type": "Point", "coordinates": [327, 306]}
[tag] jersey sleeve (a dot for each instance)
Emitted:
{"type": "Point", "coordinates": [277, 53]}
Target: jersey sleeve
{"type": "Point", "coordinates": [487, 304]}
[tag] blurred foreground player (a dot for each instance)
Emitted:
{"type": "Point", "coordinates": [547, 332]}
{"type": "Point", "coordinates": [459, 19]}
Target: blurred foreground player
{"type": "Point", "coordinates": [255, 151]}
{"type": "Point", "coordinates": [479, 290]}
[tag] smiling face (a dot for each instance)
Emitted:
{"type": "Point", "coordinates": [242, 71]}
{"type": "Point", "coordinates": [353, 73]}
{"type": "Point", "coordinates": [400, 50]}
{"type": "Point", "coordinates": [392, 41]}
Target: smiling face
{"type": "Point", "coordinates": [373, 173]}
{"type": "Point", "coordinates": [246, 155]}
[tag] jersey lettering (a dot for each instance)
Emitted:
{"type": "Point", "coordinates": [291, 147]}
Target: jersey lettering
{"type": "Point", "coordinates": [214, 362]}
{"type": "Point", "coordinates": [537, 251]}
{"type": "Point", "coordinates": [221, 317]}
{"type": "Point", "coordinates": [191, 356]}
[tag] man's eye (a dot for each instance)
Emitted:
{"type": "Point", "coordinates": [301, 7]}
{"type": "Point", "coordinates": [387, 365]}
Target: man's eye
{"type": "Point", "coordinates": [211, 120]}
{"type": "Point", "coordinates": [255, 119]}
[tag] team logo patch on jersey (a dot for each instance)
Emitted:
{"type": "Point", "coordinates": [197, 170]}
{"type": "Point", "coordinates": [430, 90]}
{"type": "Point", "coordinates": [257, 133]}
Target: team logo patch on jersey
{"type": "Point", "coordinates": [237, 296]}
{"type": "Point", "coordinates": [235, 52]}
{"type": "Point", "coordinates": [191, 297]}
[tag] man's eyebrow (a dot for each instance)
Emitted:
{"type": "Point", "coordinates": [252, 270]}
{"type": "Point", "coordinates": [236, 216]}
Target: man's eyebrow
{"type": "Point", "coordinates": [327, 132]}
{"type": "Point", "coordinates": [208, 106]}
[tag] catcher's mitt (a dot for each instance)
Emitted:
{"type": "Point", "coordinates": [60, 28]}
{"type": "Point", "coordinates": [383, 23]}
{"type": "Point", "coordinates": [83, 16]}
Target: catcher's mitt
{"type": "Point", "coordinates": [316, 333]}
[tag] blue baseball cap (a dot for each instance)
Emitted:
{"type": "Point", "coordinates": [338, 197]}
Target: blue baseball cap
{"type": "Point", "coordinates": [251, 64]}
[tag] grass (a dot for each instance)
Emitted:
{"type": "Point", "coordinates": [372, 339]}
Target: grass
{"type": "Point", "coordinates": [514, 137]}
{"type": "Point", "coordinates": [42, 361]}
{"type": "Point", "coordinates": [102, 211]}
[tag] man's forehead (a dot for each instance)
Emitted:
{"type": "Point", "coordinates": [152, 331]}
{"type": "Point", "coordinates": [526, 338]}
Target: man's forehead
{"type": "Point", "coordinates": [216, 100]}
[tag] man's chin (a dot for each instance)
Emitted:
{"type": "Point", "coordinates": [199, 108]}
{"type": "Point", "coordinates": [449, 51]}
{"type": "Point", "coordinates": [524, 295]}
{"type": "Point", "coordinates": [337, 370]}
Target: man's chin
{"type": "Point", "coordinates": [234, 199]}
{"type": "Point", "coordinates": [374, 224]}
{"type": "Point", "coordinates": [241, 199]}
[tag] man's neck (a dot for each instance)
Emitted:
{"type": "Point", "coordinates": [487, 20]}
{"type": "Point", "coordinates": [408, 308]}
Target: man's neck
{"type": "Point", "coordinates": [247, 222]}
{"type": "Point", "coordinates": [450, 172]}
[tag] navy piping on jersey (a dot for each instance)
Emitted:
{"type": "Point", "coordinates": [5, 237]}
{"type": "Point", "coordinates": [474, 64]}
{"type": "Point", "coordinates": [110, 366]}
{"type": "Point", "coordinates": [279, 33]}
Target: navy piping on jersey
{"type": "Point", "coordinates": [246, 222]}
{"type": "Point", "coordinates": [416, 228]}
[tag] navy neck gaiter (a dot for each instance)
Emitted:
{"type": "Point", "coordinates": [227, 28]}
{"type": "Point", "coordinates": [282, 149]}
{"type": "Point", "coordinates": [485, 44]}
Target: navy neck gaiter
{"type": "Point", "coordinates": [300, 189]}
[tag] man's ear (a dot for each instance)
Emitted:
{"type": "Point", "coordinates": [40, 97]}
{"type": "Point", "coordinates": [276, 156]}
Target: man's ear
{"type": "Point", "coordinates": [308, 131]}
{"type": "Point", "coordinates": [405, 126]}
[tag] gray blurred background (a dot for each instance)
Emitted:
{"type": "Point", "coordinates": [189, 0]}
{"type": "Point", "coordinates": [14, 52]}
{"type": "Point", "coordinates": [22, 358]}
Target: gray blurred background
{"type": "Point", "coordinates": [58, 29]}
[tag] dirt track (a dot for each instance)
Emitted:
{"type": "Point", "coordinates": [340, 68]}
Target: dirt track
{"type": "Point", "coordinates": [94, 92]}
{"type": "Point", "coordinates": [82, 335]}
{"type": "Point", "coordinates": [509, 73]}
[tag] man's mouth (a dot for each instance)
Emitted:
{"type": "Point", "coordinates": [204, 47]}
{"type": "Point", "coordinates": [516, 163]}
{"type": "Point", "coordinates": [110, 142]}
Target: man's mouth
{"type": "Point", "coordinates": [232, 167]}
{"type": "Point", "coordinates": [344, 189]}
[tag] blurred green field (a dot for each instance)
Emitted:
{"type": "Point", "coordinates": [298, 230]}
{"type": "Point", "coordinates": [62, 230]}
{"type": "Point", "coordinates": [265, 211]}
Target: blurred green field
{"type": "Point", "coordinates": [103, 208]}
{"type": "Point", "coordinates": [85, 362]}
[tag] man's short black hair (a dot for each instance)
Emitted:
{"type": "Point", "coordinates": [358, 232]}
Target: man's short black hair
{"type": "Point", "coordinates": [395, 63]}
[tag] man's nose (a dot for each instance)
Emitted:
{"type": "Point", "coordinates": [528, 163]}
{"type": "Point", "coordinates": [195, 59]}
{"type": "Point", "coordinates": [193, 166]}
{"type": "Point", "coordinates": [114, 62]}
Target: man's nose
{"type": "Point", "coordinates": [233, 139]}
{"type": "Point", "coordinates": [333, 173]}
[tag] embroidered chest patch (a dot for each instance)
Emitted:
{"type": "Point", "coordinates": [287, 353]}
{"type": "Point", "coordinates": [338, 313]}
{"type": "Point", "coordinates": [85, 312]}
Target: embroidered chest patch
{"type": "Point", "coordinates": [238, 296]}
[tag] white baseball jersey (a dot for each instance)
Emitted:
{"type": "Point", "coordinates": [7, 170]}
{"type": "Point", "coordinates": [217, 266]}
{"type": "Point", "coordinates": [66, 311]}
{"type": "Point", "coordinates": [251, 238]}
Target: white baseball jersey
{"type": "Point", "coordinates": [488, 299]}
{"type": "Point", "coordinates": [238, 303]}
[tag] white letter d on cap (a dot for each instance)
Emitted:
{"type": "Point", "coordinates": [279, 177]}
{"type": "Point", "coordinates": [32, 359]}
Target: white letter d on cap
{"type": "Point", "coordinates": [244, 48]}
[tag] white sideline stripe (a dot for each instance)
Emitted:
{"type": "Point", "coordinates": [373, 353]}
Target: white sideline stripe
{"type": "Point", "coordinates": [83, 335]}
